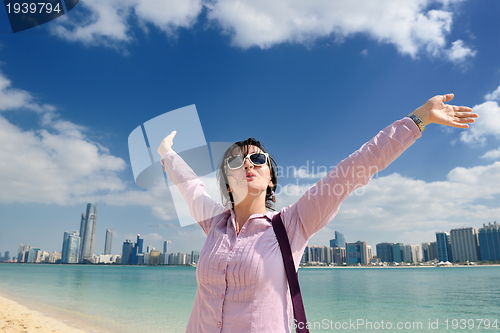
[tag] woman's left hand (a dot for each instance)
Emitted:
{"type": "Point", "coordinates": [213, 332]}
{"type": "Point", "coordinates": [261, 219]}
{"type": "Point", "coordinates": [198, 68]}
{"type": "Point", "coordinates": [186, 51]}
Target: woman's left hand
{"type": "Point", "coordinates": [435, 111]}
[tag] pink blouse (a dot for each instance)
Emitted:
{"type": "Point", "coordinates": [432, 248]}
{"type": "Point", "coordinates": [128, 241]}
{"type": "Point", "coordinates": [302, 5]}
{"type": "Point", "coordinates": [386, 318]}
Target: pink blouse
{"type": "Point", "coordinates": [242, 286]}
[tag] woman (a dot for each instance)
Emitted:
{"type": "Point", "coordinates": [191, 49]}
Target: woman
{"type": "Point", "coordinates": [242, 285]}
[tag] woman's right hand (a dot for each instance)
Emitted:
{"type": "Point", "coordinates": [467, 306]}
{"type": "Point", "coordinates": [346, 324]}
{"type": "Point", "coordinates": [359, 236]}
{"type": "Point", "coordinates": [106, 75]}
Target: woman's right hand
{"type": "Point", "coordinates": [166, 144]}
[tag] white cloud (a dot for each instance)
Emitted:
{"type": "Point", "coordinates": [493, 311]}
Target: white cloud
{"type": "Point", "coordinates": [168, 15]}
{"type": "Point", "coordinates": [408, 25]}
{"type": "Point", "coordinates": [109, 22]}
{"type": "Point", "coordinates": [488, 123]}
{"type": "Point", "coordinates": [58, 164]}
{"type": "Point", "coordinates": [12, 98]}
{"type": "Point", "coordinates": [53, 167]}
{"type": "Point", "coordinates": [493, 96]}
{"type": "Point", "coordinates": [103, 22]}
{"type": "Point", "coordinates": [492, 154]}
{"type": "Point", "coordinates": [459, 52]}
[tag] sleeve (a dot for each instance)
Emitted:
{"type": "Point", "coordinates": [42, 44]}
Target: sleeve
{"type": "Point", "coordinates": [321, 202]}
{"type": "Point", "coordinates": [201, 206]}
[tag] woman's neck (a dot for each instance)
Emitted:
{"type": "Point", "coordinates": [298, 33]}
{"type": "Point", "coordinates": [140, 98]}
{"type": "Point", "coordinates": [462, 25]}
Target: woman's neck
{"type": "Point", "coordinates": [247, 208]}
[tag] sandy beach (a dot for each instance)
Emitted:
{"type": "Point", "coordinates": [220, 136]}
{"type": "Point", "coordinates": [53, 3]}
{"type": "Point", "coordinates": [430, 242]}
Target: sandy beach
{"type": "Point", "coordinates": [16, 318]}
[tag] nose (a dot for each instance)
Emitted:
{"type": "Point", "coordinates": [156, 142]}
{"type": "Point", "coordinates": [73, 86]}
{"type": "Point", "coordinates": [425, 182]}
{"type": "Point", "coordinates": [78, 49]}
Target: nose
{"type": "Point", "coordinates": [247, 163]}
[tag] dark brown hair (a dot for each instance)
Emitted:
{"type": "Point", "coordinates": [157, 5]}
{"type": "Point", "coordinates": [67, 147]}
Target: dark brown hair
{"type": "Point", "coordinates": [222, 177]}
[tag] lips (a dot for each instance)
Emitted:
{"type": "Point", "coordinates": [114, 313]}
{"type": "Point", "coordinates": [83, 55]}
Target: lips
{"type": "Point", "coordinates": [250, 176]}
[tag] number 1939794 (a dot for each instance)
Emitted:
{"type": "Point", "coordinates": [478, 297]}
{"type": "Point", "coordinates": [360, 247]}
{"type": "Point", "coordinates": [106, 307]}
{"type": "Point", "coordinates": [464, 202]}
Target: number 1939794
{"type": "Point", "coordinates": [32, 8]}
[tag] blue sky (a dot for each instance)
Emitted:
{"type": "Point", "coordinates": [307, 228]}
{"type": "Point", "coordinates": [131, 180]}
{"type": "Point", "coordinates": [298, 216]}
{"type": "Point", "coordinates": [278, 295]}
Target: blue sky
{"type": "Point", "coordinates": [312, 80]}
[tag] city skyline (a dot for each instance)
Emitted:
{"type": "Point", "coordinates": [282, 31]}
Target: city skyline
{"type": "Point", "coordinates": [459, 241]}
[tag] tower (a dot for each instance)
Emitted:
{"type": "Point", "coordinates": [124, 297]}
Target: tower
{"type": "Point", "coordinates": [109, 241]}
{"type": "Point", "coordinates": [166, 246]}
{"type": "Point", "coordinates": [87, 233]}
{"type": "Point", "coordinates": [70, 248]}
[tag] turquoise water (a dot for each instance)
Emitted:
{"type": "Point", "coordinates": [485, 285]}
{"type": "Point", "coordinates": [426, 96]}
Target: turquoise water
{"type": "Point", "coordinates": [158, 299]}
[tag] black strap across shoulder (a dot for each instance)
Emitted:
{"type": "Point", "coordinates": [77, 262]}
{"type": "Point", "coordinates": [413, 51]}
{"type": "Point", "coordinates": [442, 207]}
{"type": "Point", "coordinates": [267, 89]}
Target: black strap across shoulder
{"type": "Point", "coordinates": [291, 273]}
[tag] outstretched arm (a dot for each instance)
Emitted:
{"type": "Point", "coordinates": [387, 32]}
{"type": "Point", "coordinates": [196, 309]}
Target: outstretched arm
{"type": "Point", "coordinates": [321, 202]}
{"type": "Point", "coordinates": [201, 206]}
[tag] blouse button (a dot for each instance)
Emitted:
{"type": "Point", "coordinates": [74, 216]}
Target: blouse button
{"type": "Point", "coordinates": [220, 324]}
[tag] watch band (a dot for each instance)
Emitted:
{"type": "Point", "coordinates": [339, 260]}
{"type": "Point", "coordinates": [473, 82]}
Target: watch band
{"type": "Point", "coordinates": [418, 121]}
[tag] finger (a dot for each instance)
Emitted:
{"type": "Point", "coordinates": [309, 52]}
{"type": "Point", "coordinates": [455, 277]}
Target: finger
{"type": "Point", "coordinates": [447, 97]}
{"type": "Point", "coordinates": [465, 114]}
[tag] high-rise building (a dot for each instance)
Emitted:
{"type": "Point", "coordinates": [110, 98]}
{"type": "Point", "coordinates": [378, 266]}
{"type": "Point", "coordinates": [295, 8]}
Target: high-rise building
{"type": "Point", "coordinates": [444, 251]}
{"type": "Point", "coordinates": [137, 254]}
{"type": "Point", "coordinates": [489, 241]}
{"type": "Point", "coordinates": [109, 241]}
{"type": "Point", "coordinates": [384, 252]}
{"type": "Point", "coordinates": [429, 251]}
{"type": "Point", "coordinates": [410, 253]}
{"type": "Point", "coordinates": [167, 246]}
{"type": "Point", "coordinates": [397, 252]}
{"type": "Point", "coordinates": [338, 241]}
{"type": "Point", "coordinates": [357, 253]}
{"type": "Point", "coordinates": [338, 255]}
{"type": "Point", "coordinates": [464, 244]}
{"type": "Point", "coordinates": [433, 251]}
{"type": "Point", "coordinates": [127, 250]}
{"type": "Point", "coordinates": [87, 233]}
{"type": "Point", "coordinates": [22, 254]}
{"type": "Point", "coordinates": [70, 248]}
{"type": "Point", "coordinates": [195, 256]}
{"type": "Point", "coordinates": [34, 255]}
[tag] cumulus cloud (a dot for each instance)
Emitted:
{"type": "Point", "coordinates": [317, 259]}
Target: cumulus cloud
{"type": "Point", "coordinates": [458, 52]}
{"type": "Point", "coordinates": [408, 25]}
{"type": "Point", "coordinates": [58, 164]}
{"type": "Point", "coordinates": [492, 154]}
{"type": "Point", "coordinates": [53, 167]}
{"type": "Point", "coordinates": [109, 22]}
{"type": "Point", "coordinates": [411, 26]}
{"type": "Point", "coordinates": [488, 124]}
{"type": "Point", "coordinates": [493, 96]}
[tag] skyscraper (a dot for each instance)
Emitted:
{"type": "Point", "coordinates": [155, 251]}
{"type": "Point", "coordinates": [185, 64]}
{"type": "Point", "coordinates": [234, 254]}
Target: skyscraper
{"type": "Point", "coordinates": [411, 253]}
{"type": "Point", "coordinates": [444, 252]}
{"type": "Point", "coordinates": [464, 244]}
{"type": "Point", "coordinates": [109, 241]}
{"type": "Point", "coordinates": [489, 241]}
{"type": "Point", "coordinates": [137, 257]}
{"type": "Point", "coordinates": [167, 246]}
{"type": "Point", "coordinates": [70, 248]}
{"type": "Point", "coordinates": [339, 240]}
{"type": "Point", "coordinates": [87, 233]}
{"type": "Point", "coordinates": [384, 252]}
{"type": "Point", "coordinates": [429, 251]}
{"type": "Point", "coordinates": [127, 251]}
{"type": "Point", "coordinates": [397, 252]}
{"type": "Point", "coordinates": [357, 253]}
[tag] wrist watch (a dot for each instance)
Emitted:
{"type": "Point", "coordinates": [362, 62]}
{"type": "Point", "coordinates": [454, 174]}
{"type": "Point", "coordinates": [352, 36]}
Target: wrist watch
{"type": "Point", "coordinates": [418, 121]}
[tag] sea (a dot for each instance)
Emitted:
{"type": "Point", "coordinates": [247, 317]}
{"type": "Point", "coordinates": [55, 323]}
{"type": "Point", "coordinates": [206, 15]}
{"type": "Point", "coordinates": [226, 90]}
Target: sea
{"type": "Point", "coordinates": [158, 299]}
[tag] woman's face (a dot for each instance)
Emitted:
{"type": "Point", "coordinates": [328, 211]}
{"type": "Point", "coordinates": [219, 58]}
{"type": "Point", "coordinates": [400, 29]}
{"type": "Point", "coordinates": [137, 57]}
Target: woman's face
{"type": "Point", "coordinates": [250, 179]}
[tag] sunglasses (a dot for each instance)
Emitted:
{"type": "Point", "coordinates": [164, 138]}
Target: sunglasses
{"type": "Point", "coordinates": [236, 162]}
